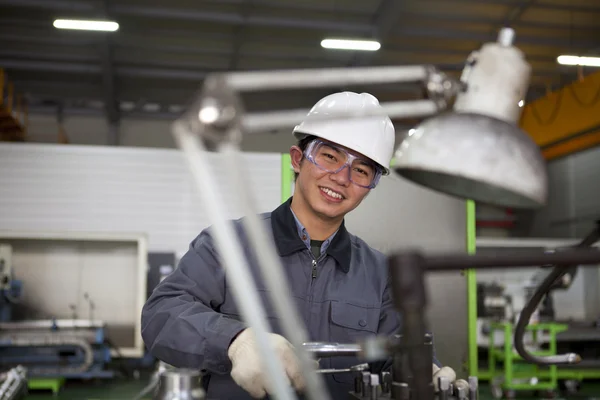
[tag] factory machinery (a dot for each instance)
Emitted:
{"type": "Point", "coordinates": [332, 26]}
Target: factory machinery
{"type": "Point", "coordinates": [472, 150]}
{"type": "Point", "coordinates": [49, 351]}
{"type": "Point", "coordinates": [498, 313]}
{"type": "Point", "coordinates": [491, 161]}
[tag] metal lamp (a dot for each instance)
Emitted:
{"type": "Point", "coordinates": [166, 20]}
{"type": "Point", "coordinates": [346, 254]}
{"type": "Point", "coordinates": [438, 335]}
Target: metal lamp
{"type": "Point", "coordinates": [477, 150]}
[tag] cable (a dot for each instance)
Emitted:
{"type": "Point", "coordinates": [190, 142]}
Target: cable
{"type": "Point", "coordinates": [533, 303]}
{"type": "Point", "coordinates": [122, 366]}
{"type": "Point", "coordinates": [583, 104]}
{"type": "Point", "coordinates": [553, 114]}
{"type": "Point", "coordinates": [149, 388]}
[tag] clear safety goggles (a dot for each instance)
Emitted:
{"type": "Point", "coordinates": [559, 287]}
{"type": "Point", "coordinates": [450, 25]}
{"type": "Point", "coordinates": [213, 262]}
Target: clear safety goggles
{"type": "Point", "coordinates": [331, 158]}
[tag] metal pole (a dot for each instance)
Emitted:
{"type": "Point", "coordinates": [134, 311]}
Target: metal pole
{"type": "Point", "coordinates": [234, 262]}
{"type": "Point", "coordinates": [272, 272]}
{"type": "Point", "coordinates": [452, 262]}
{"type": "Point", "coordinates": [260, 122]}
{"type": "Point", "coordinates": [320, 78]}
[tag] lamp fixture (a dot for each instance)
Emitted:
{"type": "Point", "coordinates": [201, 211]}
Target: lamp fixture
{"type": "Point", "coordinates": [576, 60]}
{"type": "Point", "coordinates": [347, 44]}
{"type": "Point", "coordinates": [86, 25]}
{"type": "Point", "coordinates": [477, 150]}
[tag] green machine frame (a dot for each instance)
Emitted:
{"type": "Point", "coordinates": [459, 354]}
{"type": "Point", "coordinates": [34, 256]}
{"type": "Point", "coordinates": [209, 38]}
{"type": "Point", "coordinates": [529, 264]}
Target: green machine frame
{"type": "Point", "coordinates": [514, 370]}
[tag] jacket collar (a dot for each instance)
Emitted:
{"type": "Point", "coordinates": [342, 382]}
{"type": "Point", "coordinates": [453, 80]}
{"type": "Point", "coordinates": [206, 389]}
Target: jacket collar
{"type": "Point", "coordinates": [288, 241]}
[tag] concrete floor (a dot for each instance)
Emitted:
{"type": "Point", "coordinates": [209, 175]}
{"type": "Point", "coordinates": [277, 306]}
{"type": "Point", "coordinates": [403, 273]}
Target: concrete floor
{"type": "Point", "coordinates": [128, 390]}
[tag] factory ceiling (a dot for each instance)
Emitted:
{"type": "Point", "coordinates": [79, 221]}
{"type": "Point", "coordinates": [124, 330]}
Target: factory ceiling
{"type": "Point", "coordinates": [158, 58]}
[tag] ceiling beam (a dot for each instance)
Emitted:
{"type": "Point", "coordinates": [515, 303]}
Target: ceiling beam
{"type": "Point", "coordinates": [231, 18]}
{"type": "Point", "coordinates": [238, 35]}
{"type": "Point", "coordinates": [192, 15]}
{"type": "Point", "coordinates": [431, 15]}
{"type": "Point", "coordinates": [329, 26]}
{"type": "Point", "coordinates": [452, 34]}
{"type": "Point", "coordinates": [164, 73]}
{"type": "Point", "coordinates": [72, 5]}
{"type": "Point", "coordinates": [387, 15]}
{"type": "Point", "coordinates": [238, 19]}
{"type": "Point", "coordinates": [544, 6]}
{"type": "Point", "coordinates": [111, 103]}
{"type": "Point", "coordinates": [83, 6]}
{"type": "Point", "coordinates": [303, 54]}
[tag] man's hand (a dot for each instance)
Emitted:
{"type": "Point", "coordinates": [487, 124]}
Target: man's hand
{"type": "Point", "coordinates": [249, 373]}
{"type": "Point", "coordinates": [450, 375]}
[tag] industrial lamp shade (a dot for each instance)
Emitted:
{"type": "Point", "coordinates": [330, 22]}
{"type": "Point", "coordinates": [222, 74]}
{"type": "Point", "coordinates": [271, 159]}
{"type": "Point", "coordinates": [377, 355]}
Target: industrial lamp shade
{"type": "Point", "coordinates": [475, 157]}
{"type": "Point", "coordinates": [477, 151]}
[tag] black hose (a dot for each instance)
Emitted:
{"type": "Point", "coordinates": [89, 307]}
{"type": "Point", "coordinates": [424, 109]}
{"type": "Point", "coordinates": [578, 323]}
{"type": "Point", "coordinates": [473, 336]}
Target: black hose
{"type": "Point", "coordinates": [533, 303]}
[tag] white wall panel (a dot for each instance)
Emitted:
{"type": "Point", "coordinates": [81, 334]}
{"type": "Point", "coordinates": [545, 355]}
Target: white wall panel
{"type": "Point", "coordinates": [46, 187]}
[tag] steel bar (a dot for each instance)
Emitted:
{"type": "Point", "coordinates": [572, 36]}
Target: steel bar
{"type": "Point", "coordinates": [234, 262]}
{"type": "Point", "coordinates": [272, 271]}
{"type": "Point", "coordinates": [260, 122]}
{"type": "Point", "coordinates": [324, 349]}
{"type": "Point", "coordinates": [569, 258]}
{"type": "Point", "coordinates": [326, 77]}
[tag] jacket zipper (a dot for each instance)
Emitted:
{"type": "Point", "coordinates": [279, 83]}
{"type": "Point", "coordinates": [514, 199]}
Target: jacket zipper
{"type": "Point", "coordinates": [315, 261]}
{"type": "Point", "coordinates": [314, 264]}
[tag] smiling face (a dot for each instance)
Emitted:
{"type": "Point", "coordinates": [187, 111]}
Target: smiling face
{"type": "Point", "coordinates": [329, 196]}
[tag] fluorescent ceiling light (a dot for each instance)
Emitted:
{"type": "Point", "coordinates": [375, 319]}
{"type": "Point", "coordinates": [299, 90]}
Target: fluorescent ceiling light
{"type": "Point", "coordinates": [575, 60]}
{"type": "Point", "coordinates": [343, 44]}
{"type": "Point", "coordinates": [103, 26]}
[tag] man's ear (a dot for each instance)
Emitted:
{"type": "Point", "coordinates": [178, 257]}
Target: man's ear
{"type": "Point", "coordinates": [296, 156]}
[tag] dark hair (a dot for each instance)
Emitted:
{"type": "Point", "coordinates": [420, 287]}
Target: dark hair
{"type": "Point", "coordinates": [303, 144]}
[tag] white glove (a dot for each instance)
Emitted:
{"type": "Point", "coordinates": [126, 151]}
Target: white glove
{"type": "Point", "coordinates": [449, 374]}
{"type": "Point", "coordinates": [250, 374]}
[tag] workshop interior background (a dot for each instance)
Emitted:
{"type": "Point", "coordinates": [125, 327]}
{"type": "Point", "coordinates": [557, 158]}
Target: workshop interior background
{"type": "Point", "coordinates": [96, 203]}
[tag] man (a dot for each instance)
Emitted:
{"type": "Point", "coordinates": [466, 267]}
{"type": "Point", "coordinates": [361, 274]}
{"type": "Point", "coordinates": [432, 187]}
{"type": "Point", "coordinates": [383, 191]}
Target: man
{"type": "Point", "coordinates": [340, 284]}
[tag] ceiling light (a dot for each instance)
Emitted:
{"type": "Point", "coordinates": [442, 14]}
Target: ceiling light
{"type": "Point", "coordinates": [576, 60]}
{"type": "Point", "coordinates": [521, 103]}
{"type": "Point", "coordinates": [477, 151]}
{"type": "Point", "coordinates": [83, 25]}
{"type": "Point", "coordinates": [343, 44]}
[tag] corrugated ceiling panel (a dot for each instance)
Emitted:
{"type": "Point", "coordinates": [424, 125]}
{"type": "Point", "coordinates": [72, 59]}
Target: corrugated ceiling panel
{"type": "Point", "coordinates": [118, 189]}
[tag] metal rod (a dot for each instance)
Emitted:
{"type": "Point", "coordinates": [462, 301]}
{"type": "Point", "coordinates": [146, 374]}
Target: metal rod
{"type": "Point", "coordinates": [325, 77]}
{"type": "Point", "coordinates": [260, 122]}
{"type": "Point", "coordinates": [234, 261]}
{"type": "Point", "coordinates": [324, 349]}
{"type": "Point", "coordinates": [480, 261]}
{"type": "Point", "coordinates": [272, 271]}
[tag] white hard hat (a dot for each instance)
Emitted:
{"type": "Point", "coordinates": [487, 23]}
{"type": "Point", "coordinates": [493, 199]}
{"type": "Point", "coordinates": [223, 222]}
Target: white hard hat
{"type": "Point", "coordinates": [371, 136]}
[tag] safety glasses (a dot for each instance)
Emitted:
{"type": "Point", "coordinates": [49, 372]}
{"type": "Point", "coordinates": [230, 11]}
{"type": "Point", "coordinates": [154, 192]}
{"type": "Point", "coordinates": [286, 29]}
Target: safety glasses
{"type": "Point", "coordinates": [331, 158]}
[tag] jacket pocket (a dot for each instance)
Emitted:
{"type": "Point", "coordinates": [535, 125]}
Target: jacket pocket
{"type": "Point", "coordinates": [350, 321]}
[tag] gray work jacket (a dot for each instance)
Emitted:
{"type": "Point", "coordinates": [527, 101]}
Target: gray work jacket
{"type": "Point", "coordinates": [191, 317]}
